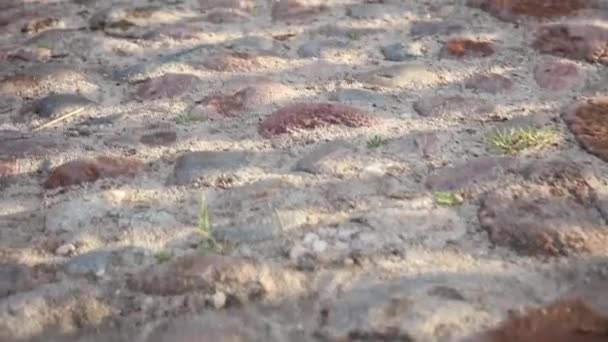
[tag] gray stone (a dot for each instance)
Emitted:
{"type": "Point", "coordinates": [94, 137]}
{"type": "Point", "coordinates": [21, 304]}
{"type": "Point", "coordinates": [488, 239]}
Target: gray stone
{"type": "Point", "coordinates": [18, 145]}
{"type": "Point", "coordinates": [325, 159]}
{"type": "Point", "coordinates": [58, 104]}
{"type": "Point", "coordinates": [372, 11]}
{"type": "Point", "coordinates": [430, 28]}
{"type": "Point", "coordinates": [453, 106]}
{"type": "Point", "coordinates": [396, 53]}
{"type": "Point", "coordinates": [360, 97]}
{"type": "Point", "coordinates": [93, 263]}
{"type": "Point", "coordinates": [427, 143]}
{"type": "Point", "coordinates": [414, 75]}
{"type": "Point", "coordinates": [14, 278]}
{"type": "Point", "coordinates": [469, 173]}
{"type": "Point", "coordinates": [346, 32]}
{"type": "Point", "coordinates": [315, 48]}
{"type": "Point", "coordinates": [193, 165]}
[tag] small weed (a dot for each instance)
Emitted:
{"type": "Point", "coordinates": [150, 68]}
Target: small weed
{"type": "Point", "coordinates": [186, 119]}
{"type": "Point", "coordinates": [376, 141]}
{"type": "Point", "coordinates": [204, 227]}
{"type": "Point", "coordinates": [354, 35]}
{"type": "Point", "coordinates": [450, 199]}
{"type": "Point", "coordinates": [516, 140]}
{"type": "Point", "coordinates": [162, 257]}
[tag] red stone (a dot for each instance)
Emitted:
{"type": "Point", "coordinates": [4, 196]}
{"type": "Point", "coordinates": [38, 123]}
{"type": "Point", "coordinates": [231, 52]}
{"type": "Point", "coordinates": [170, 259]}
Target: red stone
{"type": "Point", "coordinates": [573, 41]}
{"type": "Point", "coordinates": [574, 318]}
{"type": "Point", "coordinates": [90, 170]}
{"type": "Point", "coordinates": [511, 9]}
{"type": "Point", "coordinates": [306, 116]}
{"type": "Point", "coordinates": [463, 47]}
{"type": "Point", "coordinates": [557, 75]}
{"type": "Point", "coordinates": [8, 168]}
{"type": "Point", "coordinates": [589, 124]}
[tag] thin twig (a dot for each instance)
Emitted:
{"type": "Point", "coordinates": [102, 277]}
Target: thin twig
{"type": "Point", "coordinates": [61, 118]}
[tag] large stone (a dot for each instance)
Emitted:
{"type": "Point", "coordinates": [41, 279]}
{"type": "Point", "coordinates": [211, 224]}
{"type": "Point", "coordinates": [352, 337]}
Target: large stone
{"type": "Point", "coordinates": [166, 86]}
{"type": "Point", "coordinates": [94, 263]}
{"type": "Point", "coordinates": [558, 75]}
{"type": "Point", "coordinates": [63, 307]}
{"type": "Point", "coordinates": [556, 213]}
{"type": "Point", "coordinates": [15, 278]}
{"type": "Point", "coordinates": [306, 116]}
{"type": "Point", "coordinates": [244, 95]}
{"type": "Point", "coordinates": [580, 316]}
{"type": "Point", "coordinates": [489, 83]}
{"type": "Point", "coordinates": [234, 61]}
{"type": "Point", "coordinates": [454, 106]}
{"type": "Point", "coordinates": [430, 28]}
{"type": "Point", "coordinates": [411, 75]}
{"type": "Point", "coordinates": [469, 173]}
{"type": "Point", "coordinates": [56, 105]}
{"type": "Point", "coordinates": [588, 122]}
{"type": "Point", "coordinates": [513, 10]}
{"type": "Point", "coordinates": [194, 165]}
{"type": "Point", "coordinates": [573, 41]}
{"type": "Point", "coordinates": [44, 79]}
{"type": "Point", "coordinates": [238, 277]}
{"type": "Point", "coordinates": [14, 144]}
{"type": "Point", "coordinates": [397, 53]}
{"type": "Point", "coordinates": [326, 159]}
{"type": "Point", "coordinates": [81, 171]}
{"type": "Point", "coordinates": [316, 48]}
{"type": "Point", "coordinates": [296, 10]}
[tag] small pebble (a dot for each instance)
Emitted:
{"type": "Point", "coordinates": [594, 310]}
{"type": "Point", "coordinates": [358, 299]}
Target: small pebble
{"type": "Point", "coordinates": [319, 246]}
{"type": "Point", "coordinates": [219, 300]}
{"type": "Point", "coordinates": [65, 249]}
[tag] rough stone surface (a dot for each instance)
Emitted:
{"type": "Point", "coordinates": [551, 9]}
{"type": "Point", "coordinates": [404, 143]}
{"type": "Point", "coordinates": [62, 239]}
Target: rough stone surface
{"type": "Point", "coordinates": [240, 61]}
{"type": "Point", "coordinates": [94, 263]}
{"type": "Point", "coordinates": [556, 214]}
{"type": "Point", "coordinates": [18, 278]}
{"type": "Point", "coordinates": [405, 75]}
{"type": "Point", "coordinates": [558, 75]}
{"type": "Point", "coordinates": [194, 165]}
{"type": "Point", "coordinates": [325, 159]}
{"type": "Point", "coordinates": [160, 138]}
{"type": "Point", "coordinates": [168, 85]}
{"type": "Point", "coordinates": [489, 83]}
{"type": "Point", "coordinates": [305, 116]}
{"type": "Point", "coordinates": [452, 106]}
{"type": "Point", "coordinates": [296, 10]}
{"type": "Point", "coordinates": [467, 48]}
{"type": "Point", "coordinates": [396, 53]}
{"type": "Point", "coordinates": [469, 173]}
{"type": "Point", "coordinates": [316, 48]}
{"type": "Point", "coordinates": [574, 41]}
{"type": "Point", "coordinates": [90, 170]}
{"type": "Point", "coordinates": [244, 95]}
{"type": "Point", "coordinates": [422, 28]}
{"type": "Point", "coordinates": [58, 104]}
{"type": "Point", "coordinates": [589, 124]}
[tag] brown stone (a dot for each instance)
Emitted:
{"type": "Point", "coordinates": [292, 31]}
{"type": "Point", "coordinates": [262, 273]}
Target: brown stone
{"type": "Point", "coordinates": [245, 94]}
{"type": "Point", "coordinates": [558, 75]}
{"type": "Point", "coordinates": [8, 168]}
{"type": "Point", "coordinates": [573, 41]}
{"type": "Point", "coordinates": [463, 47]}
{"type": "Point", "coordinates": [510, 10]}
{"type": "Point", "coordinates": [489, 83]}
{"type": "Point", "coordinates": [234, 61]}
{"type": "Point", "coordinates": [569, 319]}
{"type": "Point", "coordinates": [555, 212]}
{"type": "Point", "coordinates": [305, 116]}
{"type": "Point", "coordinates": [90, 170]}
{"type": "Point", "coordinates": [166, 86]}
{"type": "Point", "coordinates": [589, 124]}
